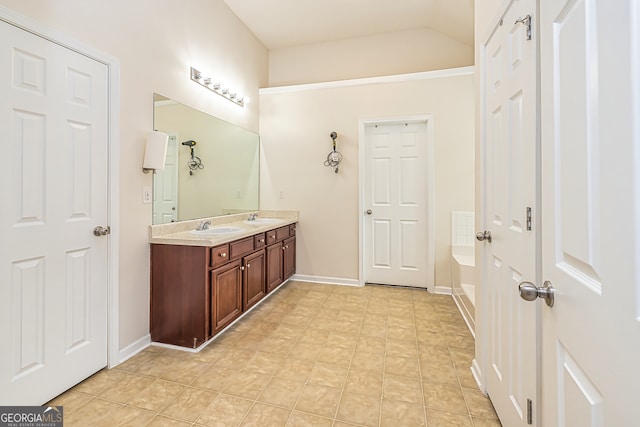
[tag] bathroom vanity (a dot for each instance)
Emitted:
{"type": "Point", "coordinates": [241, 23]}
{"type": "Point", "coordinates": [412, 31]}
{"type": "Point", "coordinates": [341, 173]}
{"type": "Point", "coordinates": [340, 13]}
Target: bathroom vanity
{"type": "Point", "coordinates": [202, 281]}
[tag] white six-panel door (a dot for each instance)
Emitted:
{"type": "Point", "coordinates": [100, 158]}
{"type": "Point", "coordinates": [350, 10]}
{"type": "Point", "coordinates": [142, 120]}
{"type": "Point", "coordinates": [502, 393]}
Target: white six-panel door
{"type": "Point", "coordinates": [509, 69]}
{"type": "Point", "coordinates": [165, 186]}
{"type": "Point", "coordinates": [53, 187]}
{"type": "Point", "coordinates": [590, 80]}
{"type": "Point", "coordinates": [396, 203]}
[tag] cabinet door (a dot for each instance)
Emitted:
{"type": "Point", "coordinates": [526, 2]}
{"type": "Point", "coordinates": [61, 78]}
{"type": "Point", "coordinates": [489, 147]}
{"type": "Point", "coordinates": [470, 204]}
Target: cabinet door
{"type": "Point", "coordinates": [289, 257]}
{"type": "Point", "coordinates": [254, 278]}
{"type": "Point", "coordinates": [274, 266]}
{"type": "Point", "coordinates": [226, 295]}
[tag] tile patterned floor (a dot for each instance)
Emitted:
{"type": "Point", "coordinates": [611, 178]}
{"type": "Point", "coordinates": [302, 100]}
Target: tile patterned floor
{"type": "Point", "coordinates": [310, 355]}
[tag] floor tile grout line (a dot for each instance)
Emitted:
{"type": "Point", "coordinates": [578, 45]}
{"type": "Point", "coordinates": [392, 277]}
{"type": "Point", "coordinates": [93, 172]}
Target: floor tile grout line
{"type": "Point", "coordinates": [344, 386]}
{"type": "Point", "coordinates": [424, 402]}
{"type": "Point", "coordinates": [384, 365]}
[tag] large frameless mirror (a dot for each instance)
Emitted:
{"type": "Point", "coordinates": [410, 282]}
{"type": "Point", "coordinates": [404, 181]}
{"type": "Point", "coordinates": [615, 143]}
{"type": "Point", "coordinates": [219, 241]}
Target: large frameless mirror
{"type": "Point", "coordinates": [212, 166]}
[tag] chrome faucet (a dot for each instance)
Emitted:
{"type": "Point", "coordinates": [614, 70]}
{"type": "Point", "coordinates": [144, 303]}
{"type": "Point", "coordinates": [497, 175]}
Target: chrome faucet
{"type": "Point", "coordinates": [252, 217]}
{"type": "Point", "coordinates": [203, 225]}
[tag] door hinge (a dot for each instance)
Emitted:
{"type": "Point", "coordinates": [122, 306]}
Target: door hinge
{"type": "Point", "coordinates": [529, 411]}
{"type": "Point", "coordinates": [529, 219]}
{"type": "Point", "coordinates": [527, 22]}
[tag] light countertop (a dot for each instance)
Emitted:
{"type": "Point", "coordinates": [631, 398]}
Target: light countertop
{"type": "Point", "coordinates": [179, 233]}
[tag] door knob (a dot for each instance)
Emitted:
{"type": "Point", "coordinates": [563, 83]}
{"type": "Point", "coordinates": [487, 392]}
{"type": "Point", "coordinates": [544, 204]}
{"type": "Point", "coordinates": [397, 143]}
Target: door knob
{"type": "Point", "coordinates": [484, 235]}
{"type": "Point", "coordinates": [530, 292]}
{"type": "Point", "coordinates": [369, 212]}
{"type": "Point", "coordinates": [101, 231]}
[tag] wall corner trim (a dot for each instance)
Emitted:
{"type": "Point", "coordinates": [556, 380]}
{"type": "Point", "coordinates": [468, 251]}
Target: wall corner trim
{"type": "Point", "coordinates": [398, 78]}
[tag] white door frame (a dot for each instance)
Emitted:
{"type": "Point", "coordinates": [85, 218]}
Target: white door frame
{"type": "Point", "coordinates": [429, 164]}
{"type": "Point", "coordinates": [113, 145]}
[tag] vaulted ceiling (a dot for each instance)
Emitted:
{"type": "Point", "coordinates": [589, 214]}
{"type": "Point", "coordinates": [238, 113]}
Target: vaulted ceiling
{"type": "Point", "coordinates": [283, 23]}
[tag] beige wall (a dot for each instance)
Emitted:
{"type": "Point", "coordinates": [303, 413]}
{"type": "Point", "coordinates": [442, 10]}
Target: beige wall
{"type": "Point", "coordinates": [380, 55]}
{"type": "Point", "coordinates": [156, 41]}
{"type": "Point", "coordinates": [295, 130]}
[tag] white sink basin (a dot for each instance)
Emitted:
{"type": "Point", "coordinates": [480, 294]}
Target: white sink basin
{"type": "Point", "coordinates": [217, 230]}
{"type": "Point", "coordinates": [262, 221]}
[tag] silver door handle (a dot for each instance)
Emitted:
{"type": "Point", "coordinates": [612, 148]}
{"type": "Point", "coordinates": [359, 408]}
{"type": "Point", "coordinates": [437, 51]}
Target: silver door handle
{"type": "Point", "coordinates": [484, 235]}
{"type": "Point", "coordinates": [101, 231]}
{"type": "Point", "coordinates": [530, 292]}
{"type": "Point", "coordinates": [369, 212]}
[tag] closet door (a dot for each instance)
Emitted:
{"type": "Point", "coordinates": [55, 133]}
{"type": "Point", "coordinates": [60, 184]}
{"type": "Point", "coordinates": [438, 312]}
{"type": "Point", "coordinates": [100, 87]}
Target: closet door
{"type": "Point", "coordinates": [53, 187]}
{"type": "Point", "coordinates": [590, 64]}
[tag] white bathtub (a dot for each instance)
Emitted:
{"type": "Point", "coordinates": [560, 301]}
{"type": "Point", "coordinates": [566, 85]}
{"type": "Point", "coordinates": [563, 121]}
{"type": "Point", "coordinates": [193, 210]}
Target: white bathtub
{"type": "Point", "coordinates": [463, 281]}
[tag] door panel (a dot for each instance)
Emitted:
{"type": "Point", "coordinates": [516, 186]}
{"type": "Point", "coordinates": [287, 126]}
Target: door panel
{"type": "Point", "coordinates": [254, 280]}
{"type": "Point", "coordinates": [510, 188]}
{"type": "Point", "coordinates": [289, 257]}
{"type": "Point", "coordinates": [590, 126]}
{"type": "Point", "coordinates": [396, 237]}
{"type": "Point", "coordinates": [165, 186]}
{"type": "Point", "coordinates": [274, 266]}
{"type": "Point", "coordinates": [226, 294]}
{"type": "Point", "coordinates": [53, 183]}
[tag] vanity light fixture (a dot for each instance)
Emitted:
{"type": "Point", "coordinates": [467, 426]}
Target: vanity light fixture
{"type": "Point", "coordinates": [155, 152]}
{"type": "Point", "coordinates": [216, 87]}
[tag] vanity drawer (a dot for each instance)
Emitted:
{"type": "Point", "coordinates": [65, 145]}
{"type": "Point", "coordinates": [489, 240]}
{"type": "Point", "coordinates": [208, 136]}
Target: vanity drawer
{"type": "Point", "coordinates": [219, 255]}
{"type": "Point", "coordinates": [271, 237]}
{"type": "Point", "coordinates": [241, 247]}
{"type": "Point", "coordinates": [282, 233]}
{"type": "Point", "coordinates": [260, 240]}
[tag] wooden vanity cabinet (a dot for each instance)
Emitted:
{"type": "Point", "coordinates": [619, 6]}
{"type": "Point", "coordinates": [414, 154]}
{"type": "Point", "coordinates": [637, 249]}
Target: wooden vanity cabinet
{"type": "Point", "coordinates": [197, 291]}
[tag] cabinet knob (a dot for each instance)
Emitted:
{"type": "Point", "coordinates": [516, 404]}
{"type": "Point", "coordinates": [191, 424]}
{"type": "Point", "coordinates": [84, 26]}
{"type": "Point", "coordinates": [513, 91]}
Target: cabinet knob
{"type": "Point", "coordinates": [248, 265]}
{"type": "Point", "coordinates": [261, 240]}
{"type": "Point", "coordinates": [284, 248]}
{"type": "Point", "coordinates": [223, 254]}
{"type": "Point", "coordinates": [242, 267]}
{"type": "Point", "coordinates": [273, 236]}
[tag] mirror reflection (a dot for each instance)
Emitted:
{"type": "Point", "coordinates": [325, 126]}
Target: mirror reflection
{"type": "Point", "coordinates": [212, 166]}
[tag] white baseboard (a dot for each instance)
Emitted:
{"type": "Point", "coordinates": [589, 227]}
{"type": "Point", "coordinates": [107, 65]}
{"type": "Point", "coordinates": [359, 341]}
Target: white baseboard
{"type": "Point", "coordinates": [477, 375]}
{"type": "Point", "coordinates": [132, 349]}
{"type": "Point", "coordinates": [466, 316]}
{"type": "Point", "coordinates": [442, 290]}
{"type": "Point", "coordinates": [327, 280]}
